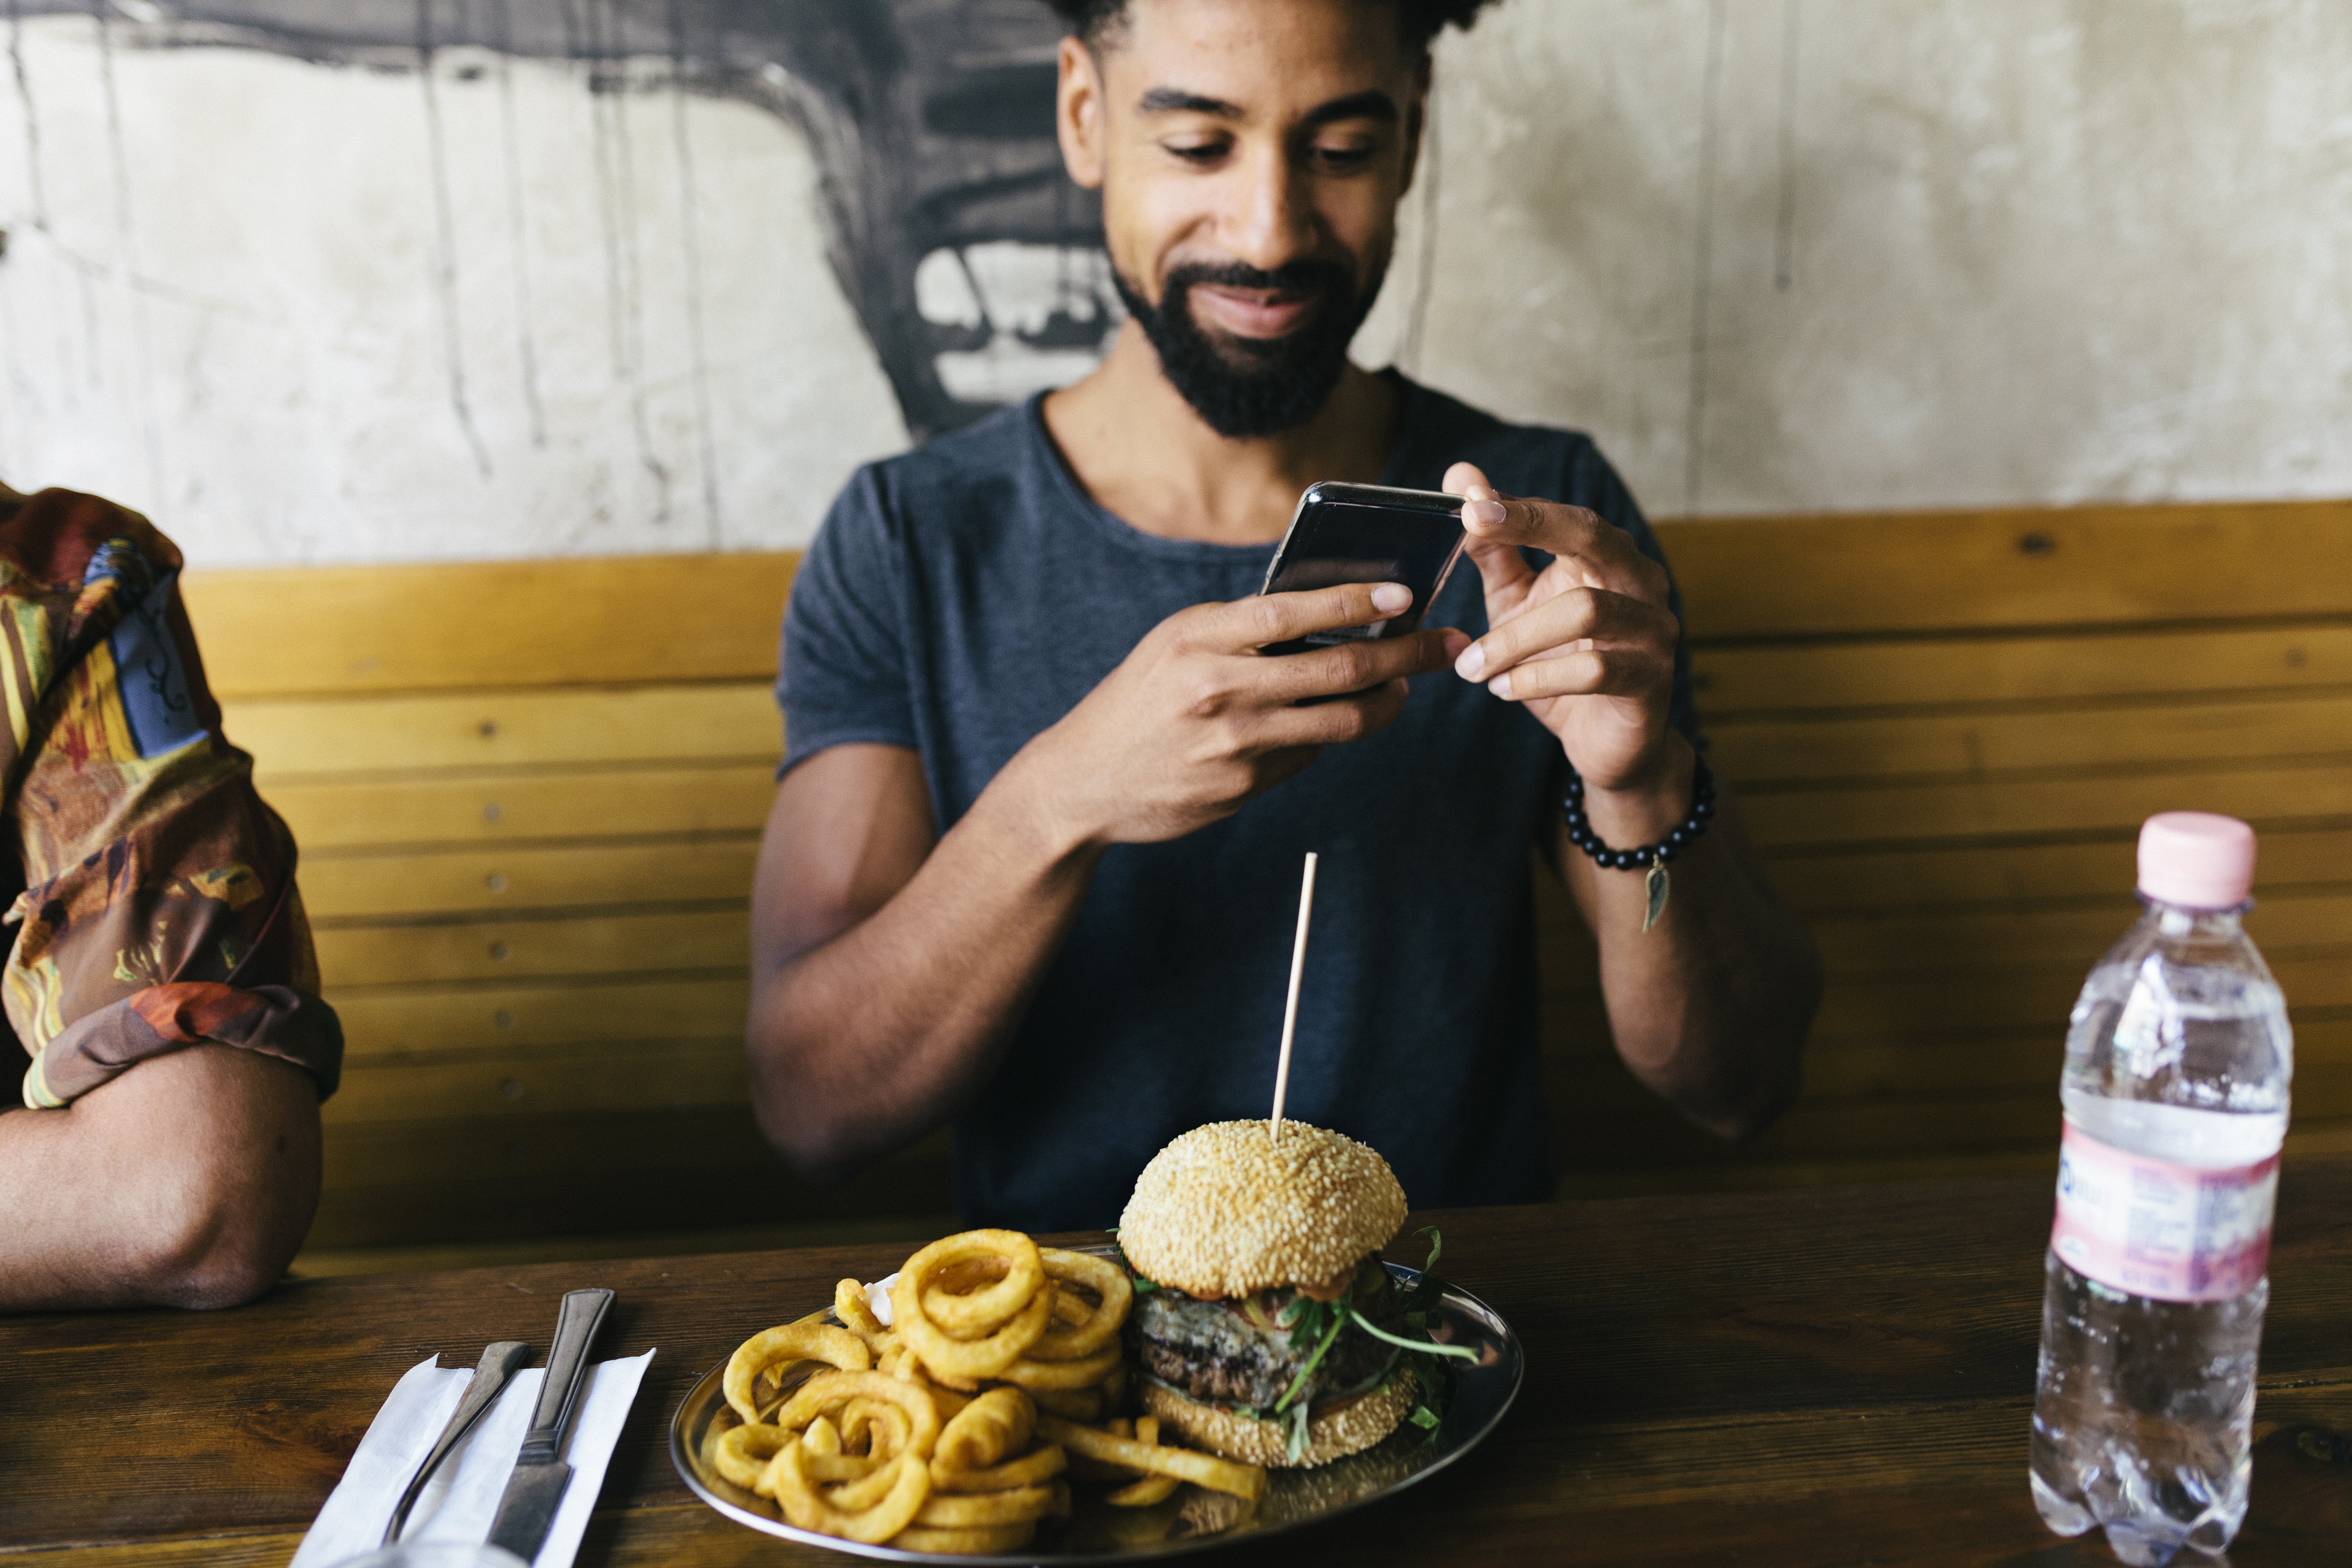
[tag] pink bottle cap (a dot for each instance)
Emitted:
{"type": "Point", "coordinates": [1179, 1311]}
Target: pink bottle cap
{"type": "Point", "coordinates": [2197, 860]}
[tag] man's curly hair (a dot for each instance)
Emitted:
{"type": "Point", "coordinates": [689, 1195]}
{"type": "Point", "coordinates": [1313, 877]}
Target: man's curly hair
{"type": "Point", "coordinates": [1421, 20]}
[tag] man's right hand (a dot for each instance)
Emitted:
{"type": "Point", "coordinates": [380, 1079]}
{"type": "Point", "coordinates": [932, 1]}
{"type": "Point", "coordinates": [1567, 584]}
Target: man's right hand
{"type": "Point", "coordinates": [1195, 722]}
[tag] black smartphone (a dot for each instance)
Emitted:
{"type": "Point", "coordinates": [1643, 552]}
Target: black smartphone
{"type": "Point", "coordinates": [1368, 533]}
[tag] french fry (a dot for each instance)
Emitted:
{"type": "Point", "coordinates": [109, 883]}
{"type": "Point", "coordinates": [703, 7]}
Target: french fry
{"type": "Point", "coordinates": [1151, 1490]}
{"type": "Point", "coordinates": [977, 1313]}
{"type": "Point", "coordinates": [1204, 1471]}
{"type": "Point", "coordinates": [1070, 1403]}
{"type": "Point", "coordinates": [823, 1437]}
{"type": "Point", "coordinates": [849, 1305]}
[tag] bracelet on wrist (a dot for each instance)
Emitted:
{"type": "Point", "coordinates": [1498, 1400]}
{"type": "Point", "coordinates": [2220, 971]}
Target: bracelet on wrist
{"type": "Point", "coordinates": [1652, 858]}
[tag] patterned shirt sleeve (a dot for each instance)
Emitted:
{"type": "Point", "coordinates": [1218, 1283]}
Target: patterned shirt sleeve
{"type": "Point", "coordinates": [158, 907]}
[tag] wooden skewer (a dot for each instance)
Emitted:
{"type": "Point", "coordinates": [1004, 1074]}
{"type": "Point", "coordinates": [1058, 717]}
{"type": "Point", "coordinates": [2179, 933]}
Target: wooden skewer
{"type": "Point", "coordinates": [1290, 1007]}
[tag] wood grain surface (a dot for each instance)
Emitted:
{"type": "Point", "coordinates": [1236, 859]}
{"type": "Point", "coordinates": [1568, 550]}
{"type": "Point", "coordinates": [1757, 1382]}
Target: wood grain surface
{"type": "Point", "coordinates": [1826, 1376]}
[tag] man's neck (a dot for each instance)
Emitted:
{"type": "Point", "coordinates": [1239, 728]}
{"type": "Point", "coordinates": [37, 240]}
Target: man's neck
{"type": "Point", "coordinates": [1141, 451]}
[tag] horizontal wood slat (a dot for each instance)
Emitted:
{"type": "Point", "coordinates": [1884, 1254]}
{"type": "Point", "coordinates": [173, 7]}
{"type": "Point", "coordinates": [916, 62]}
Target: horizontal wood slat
{"type": "Point", "coordinates": [2069, 566]}
{"type": "Point", "coordinates": [2021, 875]}
{"type": "Point", "coordinates": [585, 946]}
{"type": "Point", "coordinates": [608, 1075]}
{"type": "Point", "coordinates": [360, 885]}
{"type": "Point", "coordinates": [439, 1021]}
{"type": "Point", "coordinates": [665, 723]}
{"type": "Point", "coordinates": [1734, 681]}
{"type": "Point", "coordinates": [2241, 732]}
{"type": "Point", "coordinates": [1988, 808]}
{"type": "Point", "coordinates": [322, 629]}
{"type": "Point", "coordinates": [587, 804]}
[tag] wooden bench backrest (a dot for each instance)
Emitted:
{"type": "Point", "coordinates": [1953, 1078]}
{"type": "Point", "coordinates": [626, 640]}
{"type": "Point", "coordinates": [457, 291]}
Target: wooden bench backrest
{"type": "Point", "coordinates": [1945, 731]}
{"type": "Point", "coordinates": [529, 796]}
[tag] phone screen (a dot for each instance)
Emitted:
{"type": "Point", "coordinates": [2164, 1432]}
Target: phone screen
{"type": "Point", "coordinates": [1368, 533]}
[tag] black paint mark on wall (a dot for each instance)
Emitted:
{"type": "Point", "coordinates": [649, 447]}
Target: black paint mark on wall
{"type": "Point", "coordinates": [932, 121]}
{"type": "Point", "coordinates": [517, 223]}
{"type": "Point", "coordinates": [445, 250]}
{"type": "Point", "coordinates": [37, 185]}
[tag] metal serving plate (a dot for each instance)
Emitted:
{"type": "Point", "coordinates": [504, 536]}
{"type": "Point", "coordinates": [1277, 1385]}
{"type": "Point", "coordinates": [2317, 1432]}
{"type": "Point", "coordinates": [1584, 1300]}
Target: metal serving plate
{"type": "Point", "coordinates": [1192, 1520]}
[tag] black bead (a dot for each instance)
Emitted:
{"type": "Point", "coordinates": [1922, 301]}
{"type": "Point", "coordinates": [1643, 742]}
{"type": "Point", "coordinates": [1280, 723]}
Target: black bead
{"type": "Point", "coordinates": [1677, 838]}
{"type": "Point", "coordinates": [1666, 852]}
{"type": "Point", "coordinates": [1576, 817]}
{"type": "Point", "coordinates": [1703, 810]}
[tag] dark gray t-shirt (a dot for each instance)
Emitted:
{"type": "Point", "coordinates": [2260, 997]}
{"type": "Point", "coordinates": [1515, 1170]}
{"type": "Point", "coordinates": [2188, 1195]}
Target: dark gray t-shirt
{"type": "Point", "coordinates": [962, 598]}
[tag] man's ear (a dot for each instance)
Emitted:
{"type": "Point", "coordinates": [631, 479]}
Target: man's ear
{"type": "Point", "coordinates": [1078, 105]}
{"type": "Point", "coordinates": [1416, 118]}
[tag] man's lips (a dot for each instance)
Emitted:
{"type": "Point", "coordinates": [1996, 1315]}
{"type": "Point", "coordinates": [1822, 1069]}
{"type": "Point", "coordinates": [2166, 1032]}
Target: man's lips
{"type": "Point", "coordinates": [1252, 313]}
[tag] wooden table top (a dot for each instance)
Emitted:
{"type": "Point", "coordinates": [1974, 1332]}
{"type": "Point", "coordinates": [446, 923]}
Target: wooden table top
{"type": "Point", "coordinates": [1828, 1375]}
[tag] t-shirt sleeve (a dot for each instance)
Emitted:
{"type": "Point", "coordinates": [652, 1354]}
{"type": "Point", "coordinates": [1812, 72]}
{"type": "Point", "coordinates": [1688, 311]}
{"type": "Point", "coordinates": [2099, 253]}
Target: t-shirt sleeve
{"type": "Point", "coordinates": [159, 910]}
{"type": "Point", "coordinates": [1594, 484]}
{"type": "Point", "coordinates": [842, 680]}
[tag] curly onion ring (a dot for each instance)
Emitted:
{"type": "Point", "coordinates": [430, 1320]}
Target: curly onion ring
{"type": "Point", "coordinates": [830, 1391]}
{"type": "Point", "coordinates": [1037, 1465]}
{"type": "Point", "coordinates": [793, 1342]}
{"type": "Point", "coordinates": [743, 1454]}
{"type": "Point", "coordinates": [979, 1313]}
{"type": "Point", "coordinates": [1105, 1279]}
{"type": "Point", "coordinates": [978, 1542]}
{"type": "Point", "coordinates": [1061, 1375]}
{"type": "Point", "coordinates": [850, 1305]}
{"type": "Point", "coordinates": [993, 1428]}
{"type": "Point", "coordinates": [952, 1361]}
{"type": "Point", "coordinates": [976, 1510]}
{"type": "Point", "coordinates": [796, 1494]}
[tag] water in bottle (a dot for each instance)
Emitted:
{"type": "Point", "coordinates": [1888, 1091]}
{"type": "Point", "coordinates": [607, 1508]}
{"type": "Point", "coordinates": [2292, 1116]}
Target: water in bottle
{"type": "Point", "coordinates": [2178, 1062]}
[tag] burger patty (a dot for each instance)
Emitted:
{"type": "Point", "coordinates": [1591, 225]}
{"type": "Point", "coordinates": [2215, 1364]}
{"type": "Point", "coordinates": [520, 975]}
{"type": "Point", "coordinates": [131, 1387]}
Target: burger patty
{"type": "Point", "coordinates": [1215, 1352]}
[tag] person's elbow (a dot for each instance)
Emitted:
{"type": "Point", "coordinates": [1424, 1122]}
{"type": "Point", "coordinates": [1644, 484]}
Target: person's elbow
{"type": "Point", "coordinates": [226, 1212]}
{"type": "Point", "coordinates": [1774, 1058]}
{"type": "Point", "coordinates": [802, 1125]}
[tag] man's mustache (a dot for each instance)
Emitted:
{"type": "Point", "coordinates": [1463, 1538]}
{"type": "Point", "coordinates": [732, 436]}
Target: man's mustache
{"type": "Point", "coordinates": [1291, 278]}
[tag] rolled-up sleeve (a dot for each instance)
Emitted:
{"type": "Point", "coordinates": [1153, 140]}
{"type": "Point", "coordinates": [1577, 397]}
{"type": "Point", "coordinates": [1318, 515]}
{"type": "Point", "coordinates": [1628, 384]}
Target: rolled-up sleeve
{"type": "Point", "coordinates": [159, 907]}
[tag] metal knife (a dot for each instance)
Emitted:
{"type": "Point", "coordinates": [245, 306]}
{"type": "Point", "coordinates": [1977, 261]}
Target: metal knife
{"type": "Point", "coordinates": [528, 1508]}
{"type": "Point", "coordinates": [500, 1363]}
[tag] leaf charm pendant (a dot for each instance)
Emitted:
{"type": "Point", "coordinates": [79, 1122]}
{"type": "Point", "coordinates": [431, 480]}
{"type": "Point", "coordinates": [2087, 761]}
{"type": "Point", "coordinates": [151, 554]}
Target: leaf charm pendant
{"type": "Point", "coordinates": [1658, 891]}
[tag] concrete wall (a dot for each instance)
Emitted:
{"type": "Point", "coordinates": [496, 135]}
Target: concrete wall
{"type": "Point", "coordinates": [1776, 254]}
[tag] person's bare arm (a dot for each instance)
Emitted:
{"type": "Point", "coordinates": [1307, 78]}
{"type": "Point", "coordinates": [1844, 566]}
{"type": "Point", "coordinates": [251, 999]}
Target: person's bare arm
{"type": "Point", "coordinates": [889, 971]}
{"type": "Point", "coordinates": [188, 1182]}
{"type": "Point", "coordinates": [1711, 1008]}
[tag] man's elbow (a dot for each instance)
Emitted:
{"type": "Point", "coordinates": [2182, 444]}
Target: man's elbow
{"type": "Point", "coordinates": [223, 1238]}
{"type": "Point", "coordinates": [1777, 1075]}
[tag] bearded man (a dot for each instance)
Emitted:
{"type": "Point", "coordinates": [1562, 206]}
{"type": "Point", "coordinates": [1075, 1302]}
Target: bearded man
{"type": "Point", "coordinates": [1032, 860]}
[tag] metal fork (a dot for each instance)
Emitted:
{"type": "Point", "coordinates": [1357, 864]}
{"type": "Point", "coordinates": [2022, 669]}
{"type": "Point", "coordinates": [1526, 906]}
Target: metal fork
{"type": "Point", "coordinates": [500, 1363]}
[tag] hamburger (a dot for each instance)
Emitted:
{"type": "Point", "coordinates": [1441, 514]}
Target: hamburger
{"type": "Point", "coordinates": [1257, 1268]}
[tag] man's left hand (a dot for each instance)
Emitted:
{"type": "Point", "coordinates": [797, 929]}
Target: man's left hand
{"type": "Point", "coordinates": [1586, 645]}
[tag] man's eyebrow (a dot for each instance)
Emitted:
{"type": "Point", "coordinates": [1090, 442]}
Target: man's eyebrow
{"type": "Point", "coordinates": [1371, 104]}
{"type": "Point", "coordinates": [1176, 100]}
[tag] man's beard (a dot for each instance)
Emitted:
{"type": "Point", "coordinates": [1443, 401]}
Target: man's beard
{"type": "Point", "coordinates": [1246, 387]}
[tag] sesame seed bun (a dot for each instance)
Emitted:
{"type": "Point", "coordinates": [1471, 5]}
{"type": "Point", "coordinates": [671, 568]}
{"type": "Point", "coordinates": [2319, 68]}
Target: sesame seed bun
{"type": "Point", "coordinates": [1228, 1210]}
{"type": "Point", "coordinates": [1333, 1435]}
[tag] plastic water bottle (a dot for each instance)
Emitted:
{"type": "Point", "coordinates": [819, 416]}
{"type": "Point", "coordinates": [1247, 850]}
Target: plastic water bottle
{"type": "Point", "coordinates": [2178, 1062]}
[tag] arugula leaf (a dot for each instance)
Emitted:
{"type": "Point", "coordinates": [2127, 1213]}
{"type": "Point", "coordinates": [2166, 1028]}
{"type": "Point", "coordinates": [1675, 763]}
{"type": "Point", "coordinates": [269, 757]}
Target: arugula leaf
{"type": "Point", "coordinates": [1427, 1347]}
{"type": "Point", "coordinates": [1298, 1442]}
{"type": "Point", "coordinates": [1423, 1416]}
{"type": "Point", "coordinates": [1336, 1311]}
{"type": "Point", "coordinates": [1436, 1245]}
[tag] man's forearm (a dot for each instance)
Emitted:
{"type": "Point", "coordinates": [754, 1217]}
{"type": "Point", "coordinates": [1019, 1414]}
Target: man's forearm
{"type": "Point", "coordinates": [1711, 1008]}
{"type": "Point", "coordinates": [188, 1182]}
{"type": "Point", "coordinates": [871, 1039]}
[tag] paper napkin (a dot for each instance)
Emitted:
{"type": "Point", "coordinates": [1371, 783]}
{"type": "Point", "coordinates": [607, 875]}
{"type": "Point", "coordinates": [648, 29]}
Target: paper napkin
{"type": "Point", "coordinates": [462, 1498]}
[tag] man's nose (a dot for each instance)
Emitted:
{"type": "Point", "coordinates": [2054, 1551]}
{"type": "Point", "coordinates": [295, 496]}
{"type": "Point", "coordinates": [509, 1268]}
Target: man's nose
{"type": "Point", "coordinates": [1270, 221]}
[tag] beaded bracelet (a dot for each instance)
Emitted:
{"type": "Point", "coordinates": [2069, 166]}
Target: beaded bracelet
{"type": "Point", "coordinates": [1652, 856]}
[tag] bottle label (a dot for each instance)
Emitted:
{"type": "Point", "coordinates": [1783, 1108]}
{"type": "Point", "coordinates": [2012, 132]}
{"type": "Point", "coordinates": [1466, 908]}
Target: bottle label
{"type": "Point", "coordinates": [2150, 1227]}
